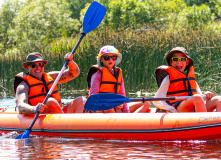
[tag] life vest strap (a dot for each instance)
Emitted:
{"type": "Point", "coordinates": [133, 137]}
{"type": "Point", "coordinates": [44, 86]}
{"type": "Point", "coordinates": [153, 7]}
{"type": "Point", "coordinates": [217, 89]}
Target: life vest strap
{"type": "Point", "coordinates": [39, 95]}
{"type": "Point", "coordinates": [55, 92]}
{"type": "Point", "coordinates": [172, 103]}
{"type": "Point", "coordinates": [106, 82]}
{"type": "Point", "coordinates": [182, 79]}
{"type": "Point", "coordinates": [50, 82]}
{"type": "Point", "coordinates": [37, 84]}
{"type": "Point", "coordinates": [181, 91]}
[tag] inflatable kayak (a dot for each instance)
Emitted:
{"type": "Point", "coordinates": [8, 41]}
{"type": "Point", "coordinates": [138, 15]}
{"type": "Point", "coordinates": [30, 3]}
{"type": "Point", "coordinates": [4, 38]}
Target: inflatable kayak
{"type": "Point", "coordinates": [125, 126]}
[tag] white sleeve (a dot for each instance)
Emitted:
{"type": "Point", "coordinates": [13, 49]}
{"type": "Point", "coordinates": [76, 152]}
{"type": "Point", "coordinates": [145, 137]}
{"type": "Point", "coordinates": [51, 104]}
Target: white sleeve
{"type": "Point", "coordinates": [161, 93]}
{"type": "Point", "coordinates": [198, 90]}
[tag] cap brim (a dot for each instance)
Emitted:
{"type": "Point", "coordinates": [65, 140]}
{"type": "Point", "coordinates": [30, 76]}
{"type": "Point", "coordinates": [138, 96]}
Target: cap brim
{"type": "Point", "coordinates": [26, 63]}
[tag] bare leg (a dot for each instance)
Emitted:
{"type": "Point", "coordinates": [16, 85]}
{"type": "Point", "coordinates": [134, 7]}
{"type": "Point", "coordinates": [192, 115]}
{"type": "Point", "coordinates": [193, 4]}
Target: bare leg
{"type": "Point", "coordinates": [138, 107]}
{"type": "Point", "coordinates": [194, 103]}
{"type": "Point", "coordinates": [52, 106]}
{"type": "Point", "coordinates": [77, 105]}
{"type": "Point", "coordinates": [214, 103]}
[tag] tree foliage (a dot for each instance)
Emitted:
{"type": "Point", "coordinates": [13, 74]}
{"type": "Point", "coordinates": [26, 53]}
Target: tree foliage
{"type": "Point", "coordinates": [133, 13]}
{"type": "Point", "coordinates": [195, 16]}
{"type": "Point", "coordinates": [7, 13]}
{"type": "Point", "coordinates": [43, 20]}
{"type": "Point", "coordinates": [76, 6]}
{"type": "Point", "coordinates": [214, 5]}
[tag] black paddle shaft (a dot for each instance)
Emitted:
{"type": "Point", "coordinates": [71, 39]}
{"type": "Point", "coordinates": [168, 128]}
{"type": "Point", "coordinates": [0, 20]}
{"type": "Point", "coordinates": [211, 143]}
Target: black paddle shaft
{"type": "Point", "coordinates": [79, 41]}
{"type": "Point", "coordinates": [152, 99]}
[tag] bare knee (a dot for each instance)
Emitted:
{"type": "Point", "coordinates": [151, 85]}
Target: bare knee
{"type": "Point", "coordinates": [147, 104]}
{"type": "Point", "coordinates": [199, 103]}
{"type": "Point", "coordinates": [217, 100]}
{"type": "Point", "coordinates": [214, 103]}
{"type": "Point", "coordinates": [52, 106]}
{"type": "Point", "coordinates": [77, 105]}
{"type": "Point", "coordinates": [80, 100]}
{"type": "Point", "coordinates": [52, 102]}
{"type": "Point", "coordinates": [198, 98]}
{"type": "Point", "coordinates": [141, 107]}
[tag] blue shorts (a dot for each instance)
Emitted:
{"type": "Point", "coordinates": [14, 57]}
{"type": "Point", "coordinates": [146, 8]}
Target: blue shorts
{"type": "Point", "coordinates": [177, 104]}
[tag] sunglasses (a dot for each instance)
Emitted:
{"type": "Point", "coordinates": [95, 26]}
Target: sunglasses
{"type": "Point", "coordinates": [33, 65]}
{"type": "Point", "coordinates": [106, 58]}
{"type": "Point", "coordinates": [181, 59]}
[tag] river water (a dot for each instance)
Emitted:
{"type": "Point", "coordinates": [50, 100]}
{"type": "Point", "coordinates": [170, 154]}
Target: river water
{"type": "Point", "coordinates": [71, 148]}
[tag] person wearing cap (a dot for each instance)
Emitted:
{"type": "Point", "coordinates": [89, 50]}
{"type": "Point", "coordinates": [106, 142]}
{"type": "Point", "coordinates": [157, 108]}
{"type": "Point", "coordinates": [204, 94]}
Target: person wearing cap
{"type": "Point", "coordinates": [106, 77]}
{"type": "Point", "coordinates": [32, 87]}
{"type": "Point", "coordinates": [178, 79]}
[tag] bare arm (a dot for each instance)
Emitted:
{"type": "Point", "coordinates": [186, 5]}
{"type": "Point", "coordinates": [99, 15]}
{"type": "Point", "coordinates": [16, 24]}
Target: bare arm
{"type": "Point", "coordinates": [72, 72]}
{"type": "Point", "coordinates": [21, 99]}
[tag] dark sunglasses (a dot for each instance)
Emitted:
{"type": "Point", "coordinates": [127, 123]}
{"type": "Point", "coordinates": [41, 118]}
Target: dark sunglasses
{"type": "Point", "coordinates": [181, 59]}
{"type": "Point", "coordinates": [33, 65]}
{"type": "Point", "coordinates": [106, 58]}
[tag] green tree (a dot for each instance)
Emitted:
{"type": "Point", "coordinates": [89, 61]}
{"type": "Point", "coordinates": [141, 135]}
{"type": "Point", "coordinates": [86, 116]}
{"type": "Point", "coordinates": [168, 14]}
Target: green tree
{"type": "Point", "coordinates": [131, 13]}
{"type": "Point", "coordinates": [215, 5]}
{"type": "Point", "coordinates": [195, 16]}
{"type": "Point", "coordinates": [43, 20]}
{"type": "Point", "coordinates": [165, 11]}
{"type": "Point", "coordinates": [76, 6]}
{"type": "Point", "coordinates": [195, 2]}
{"type": "Point", "coordinates": [8, 11]}
{"type": "Point", "coordinates": [216, 8]}
{"type": "Point", "coordinates": [124, 13]}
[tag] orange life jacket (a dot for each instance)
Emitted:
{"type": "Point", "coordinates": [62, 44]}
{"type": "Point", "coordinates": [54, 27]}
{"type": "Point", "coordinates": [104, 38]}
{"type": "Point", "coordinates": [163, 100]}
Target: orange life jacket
{"type": "Point", "coordinates": [38, 89]}
{"type": "Point", "coordinates": [180, 84]}
{"type": "Point", "coordinates": [109, 83]}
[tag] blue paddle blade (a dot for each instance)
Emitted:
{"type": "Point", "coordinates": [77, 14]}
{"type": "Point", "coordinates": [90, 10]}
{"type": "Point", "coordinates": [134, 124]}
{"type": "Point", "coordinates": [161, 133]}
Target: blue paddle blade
{"type": "Point", "coordinates": [104, 101]}
{"type": "Point", "coordinates": [93, 16]}
{"type": "Point", "coordinates": [24, 135]}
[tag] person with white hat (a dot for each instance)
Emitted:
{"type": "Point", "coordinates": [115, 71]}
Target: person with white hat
{"type": "Point", "coordinates": [106, 77]}
{"type": "Point", "coordinates": [32, 87]}
{"type": "Point", "coordinates": [178, 79]}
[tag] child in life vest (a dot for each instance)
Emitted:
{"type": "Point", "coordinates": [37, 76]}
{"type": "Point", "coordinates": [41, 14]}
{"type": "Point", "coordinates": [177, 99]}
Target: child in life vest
{"type": "Point", "coordinates": [178, 79]}
{"type": "Point", "coordinates": [106, 77]}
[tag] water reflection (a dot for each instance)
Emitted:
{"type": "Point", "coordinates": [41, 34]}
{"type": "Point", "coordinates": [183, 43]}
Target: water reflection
{"type": "Point", "coordinates": [61, 148]}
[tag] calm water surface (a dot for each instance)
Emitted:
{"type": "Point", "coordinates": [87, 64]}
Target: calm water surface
{"type": "Point", "coordinates": [66, 148]}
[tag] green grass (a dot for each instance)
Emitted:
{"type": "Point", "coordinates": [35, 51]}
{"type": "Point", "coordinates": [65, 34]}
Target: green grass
{"type": "Point", "coordinates": [142, 53]}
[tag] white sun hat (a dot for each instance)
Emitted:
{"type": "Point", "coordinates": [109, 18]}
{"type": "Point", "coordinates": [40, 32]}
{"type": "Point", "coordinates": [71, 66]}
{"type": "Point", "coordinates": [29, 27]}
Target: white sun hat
{"type": "Point", "coordinates": [108, 49]}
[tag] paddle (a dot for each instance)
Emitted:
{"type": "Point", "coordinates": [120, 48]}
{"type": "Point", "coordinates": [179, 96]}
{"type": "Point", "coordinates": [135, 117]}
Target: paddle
{"type": "Point", "coordinates": [105, 101]}
{"type": "Point", "coordinates": [92, 19]}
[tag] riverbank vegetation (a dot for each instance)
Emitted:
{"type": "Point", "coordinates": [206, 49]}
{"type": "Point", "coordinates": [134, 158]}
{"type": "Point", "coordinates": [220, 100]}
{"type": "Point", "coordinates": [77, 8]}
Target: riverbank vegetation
{"type": "Point", "coordinates": [142, 31]}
